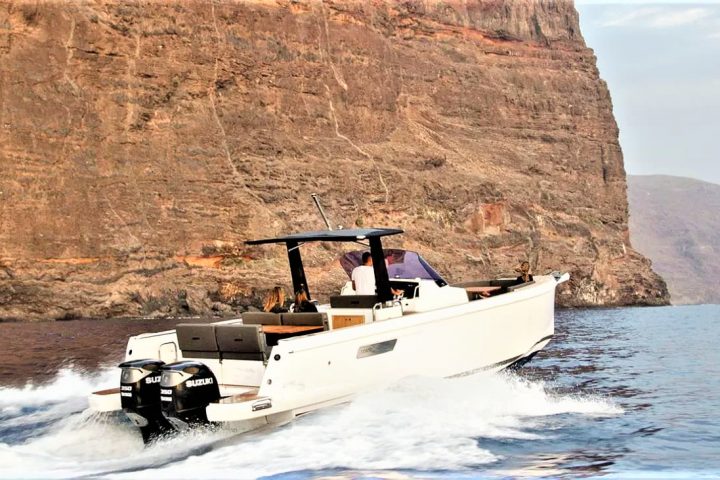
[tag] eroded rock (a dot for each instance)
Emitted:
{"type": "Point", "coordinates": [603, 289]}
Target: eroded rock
{"type": "Point", "coordinates": [141, 143]}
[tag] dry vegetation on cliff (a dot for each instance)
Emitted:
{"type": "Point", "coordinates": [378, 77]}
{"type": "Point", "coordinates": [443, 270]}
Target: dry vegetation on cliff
{"type": "Point", "coordinates": [141, 143]}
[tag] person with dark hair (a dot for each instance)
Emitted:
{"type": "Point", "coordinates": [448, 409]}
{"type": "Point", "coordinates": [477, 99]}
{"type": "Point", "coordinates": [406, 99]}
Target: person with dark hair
{"type": "Point", "coordinates": [524, 271]}
{"type": "Point", "coordinates": [302, 304]}
{"type": "Point", "coordinates": [275, 301]}
{"type": "Point", "coordinates": [363, 276]}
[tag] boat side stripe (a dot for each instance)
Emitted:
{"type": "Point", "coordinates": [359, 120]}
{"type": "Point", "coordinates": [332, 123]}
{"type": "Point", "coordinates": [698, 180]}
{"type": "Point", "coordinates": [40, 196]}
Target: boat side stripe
{"type": "Point", "coordinates": [501, 363]}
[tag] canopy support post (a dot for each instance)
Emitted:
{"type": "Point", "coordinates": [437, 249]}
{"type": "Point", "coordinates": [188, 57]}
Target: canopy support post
{"type": "Point", "coordinates": [296, 268]}
{"type": "Point", "coordinates": [382, 280]}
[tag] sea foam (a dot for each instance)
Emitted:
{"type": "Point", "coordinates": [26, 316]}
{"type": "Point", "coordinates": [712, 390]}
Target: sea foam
{"type": "Point", "coordinates": [434, 423]}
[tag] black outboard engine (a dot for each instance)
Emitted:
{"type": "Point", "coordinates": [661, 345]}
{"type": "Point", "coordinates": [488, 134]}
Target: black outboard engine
{"type": "Point", "coordinates": [186, 388]}
{"type": "Point", "coordinates": [140, 396]}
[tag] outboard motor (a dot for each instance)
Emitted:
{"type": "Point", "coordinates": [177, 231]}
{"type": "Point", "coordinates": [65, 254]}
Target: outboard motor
{"type": "Point", "coordinates": [186, 388]}
{"type": "Point", "coordinates": [140, 396]}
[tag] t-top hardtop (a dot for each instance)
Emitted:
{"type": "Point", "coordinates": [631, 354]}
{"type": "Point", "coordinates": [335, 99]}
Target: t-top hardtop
{"type": "Point", "coordinates": [372, 235]}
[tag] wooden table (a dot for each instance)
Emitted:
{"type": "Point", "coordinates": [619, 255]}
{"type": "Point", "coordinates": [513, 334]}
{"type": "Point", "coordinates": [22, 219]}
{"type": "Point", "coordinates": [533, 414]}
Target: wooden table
{"type": "Point", "coordinates": [482, 291]}
{"type": "Point", "coordinates": [291, 329]}
{"type": "Point", "coordinates": [273, 333]}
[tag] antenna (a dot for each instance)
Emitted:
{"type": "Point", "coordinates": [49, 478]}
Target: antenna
{"type": "Point", "coordinates": [322, 212]}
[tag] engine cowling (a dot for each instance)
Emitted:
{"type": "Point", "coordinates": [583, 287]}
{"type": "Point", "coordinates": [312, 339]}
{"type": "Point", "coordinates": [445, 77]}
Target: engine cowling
{"type": "Point", "coordinates": [140, 396]}
{"type": "Point", "coordinates": [186, 388]}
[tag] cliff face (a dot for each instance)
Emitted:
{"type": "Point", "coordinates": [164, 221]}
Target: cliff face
{"type": "Point", "coordinates": [674, 221]}
{"type": "Point", "coordinates": [141, 143]}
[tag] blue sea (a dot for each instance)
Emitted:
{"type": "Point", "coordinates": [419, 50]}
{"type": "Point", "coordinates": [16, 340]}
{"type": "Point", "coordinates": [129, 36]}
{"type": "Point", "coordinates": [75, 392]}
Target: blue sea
{"type": "Point", "coordinates": [618, 393]}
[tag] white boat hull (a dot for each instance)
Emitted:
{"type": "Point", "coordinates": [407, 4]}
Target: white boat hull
{"type": "Point", "coordinates": [308, 372]}
{"type": "Point", "coordinates": [304, 373]}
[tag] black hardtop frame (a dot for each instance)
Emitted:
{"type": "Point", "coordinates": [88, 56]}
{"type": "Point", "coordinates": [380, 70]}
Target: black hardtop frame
{"type": "Point", "coordinates": [349, 235]}
{"type": "Point", "coordinates": [372, 235]}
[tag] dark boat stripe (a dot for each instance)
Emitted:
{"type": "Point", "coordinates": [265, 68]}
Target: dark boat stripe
{"type": "Point", "coordinates": [502, 363]}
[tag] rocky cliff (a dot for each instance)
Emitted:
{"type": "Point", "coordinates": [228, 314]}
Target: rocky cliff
{"type": "Point", "coordinates": [674, 221]}
{"type": "Point", "coordinates": [142, 142]}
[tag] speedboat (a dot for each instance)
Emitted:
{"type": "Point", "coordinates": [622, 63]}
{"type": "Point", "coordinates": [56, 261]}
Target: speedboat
{"type": "Point", "coordinates": [267, 368]}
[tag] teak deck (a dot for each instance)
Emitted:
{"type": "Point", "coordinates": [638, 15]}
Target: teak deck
{"type": "Point", "coordinates": [481, 290]}
{"type": "Point", "coordinates": [109, 391]}
{"type": "Point", "coordinates": [285, 329]}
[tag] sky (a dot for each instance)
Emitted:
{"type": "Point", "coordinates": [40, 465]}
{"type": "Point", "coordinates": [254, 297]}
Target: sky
{"type": "Point", "coordinates": [661, 61]}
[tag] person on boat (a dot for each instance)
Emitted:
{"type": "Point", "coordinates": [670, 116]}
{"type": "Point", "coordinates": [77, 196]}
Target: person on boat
{"type": "Point", "coordinates": [397, 292]}
{"type": "Point", "coordinates": [275, 301]}
{"type": "Point", "coordinates": [302, 304]}
{"type": "Point", "coordinates": [525, 275]}
{"type": "Point", "coordinates": [363, 276]}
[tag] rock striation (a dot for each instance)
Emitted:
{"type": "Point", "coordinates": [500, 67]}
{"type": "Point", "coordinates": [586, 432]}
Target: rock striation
{"type": "Point", "coordinates": [141, 143]}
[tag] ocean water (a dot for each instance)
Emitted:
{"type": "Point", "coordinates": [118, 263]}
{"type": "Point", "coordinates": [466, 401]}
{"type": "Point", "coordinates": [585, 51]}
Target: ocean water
{"type": "Point", "coordinates": [618, 393]}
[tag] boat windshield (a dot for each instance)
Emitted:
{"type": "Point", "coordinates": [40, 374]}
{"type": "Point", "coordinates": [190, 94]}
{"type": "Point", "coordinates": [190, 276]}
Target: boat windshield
{"type": "Point", "coordinates": [400, 264]}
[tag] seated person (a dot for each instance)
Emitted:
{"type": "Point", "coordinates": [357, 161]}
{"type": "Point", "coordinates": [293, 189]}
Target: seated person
{"type": "Point", "coordinates": [363, 276]}
{"type": "Point", "coordinates": [275, 301]}
{"type": "Point", "coordinates": [397, 292]}
{"type": "Point", "coordinates": [302, 304]}
{"type": "Point", "coordinates": [525, 275]}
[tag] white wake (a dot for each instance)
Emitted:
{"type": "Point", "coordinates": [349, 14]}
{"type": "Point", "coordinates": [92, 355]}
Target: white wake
{"type": "Point", "coordinates": [418, 424]}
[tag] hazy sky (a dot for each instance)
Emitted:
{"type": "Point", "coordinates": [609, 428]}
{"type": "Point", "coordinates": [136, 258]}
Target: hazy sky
{"type": "Point", "coordinates": [662, 63]}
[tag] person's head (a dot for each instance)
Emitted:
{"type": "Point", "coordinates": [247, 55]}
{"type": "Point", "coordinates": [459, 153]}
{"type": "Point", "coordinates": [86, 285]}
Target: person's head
{"type": "Point", "coordinates": [366, 258]}
{"type": "Point", "coordinates": [524, 267]}
{"type": "Point", "coordinates": [300, 296]}
{"type": "Point", "coordinates": [276, 296]}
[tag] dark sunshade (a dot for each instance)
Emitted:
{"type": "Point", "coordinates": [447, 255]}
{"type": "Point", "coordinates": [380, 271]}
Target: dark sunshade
{"type": "Point", "coordinates": [349, 235]}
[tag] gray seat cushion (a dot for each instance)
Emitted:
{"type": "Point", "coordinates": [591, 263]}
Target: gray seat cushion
{"type": "Point", "coordinates": [197, 340]}
{"type": "Point", "coordinates": [260, 357]}
{"type": "Point", "coordinates": [241, 342]}
{"type": "Point", "coordinates": [307, 318]}
{"type": "Point", "coordinates": [261, 318]}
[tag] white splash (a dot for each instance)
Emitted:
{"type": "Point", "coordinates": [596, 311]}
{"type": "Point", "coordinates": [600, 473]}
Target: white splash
{"type": "Point", "coordinates": [69, 384]}
{"type": "Point", "coordinates": [418, 424]}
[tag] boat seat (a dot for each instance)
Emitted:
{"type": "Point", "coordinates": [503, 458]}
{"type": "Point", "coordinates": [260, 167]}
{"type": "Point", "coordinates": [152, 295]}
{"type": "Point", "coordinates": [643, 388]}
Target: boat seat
{"type": "Point", "coordinates": [261, 318]}
{"type": "Point", "coordinates": [353, 301]}
{"type": "Point", "coordinates": [241, 342]}
{"type": "Point", "coordinates": [197, 340]}
{"type": "Point", "coordinates": [304, 318]}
